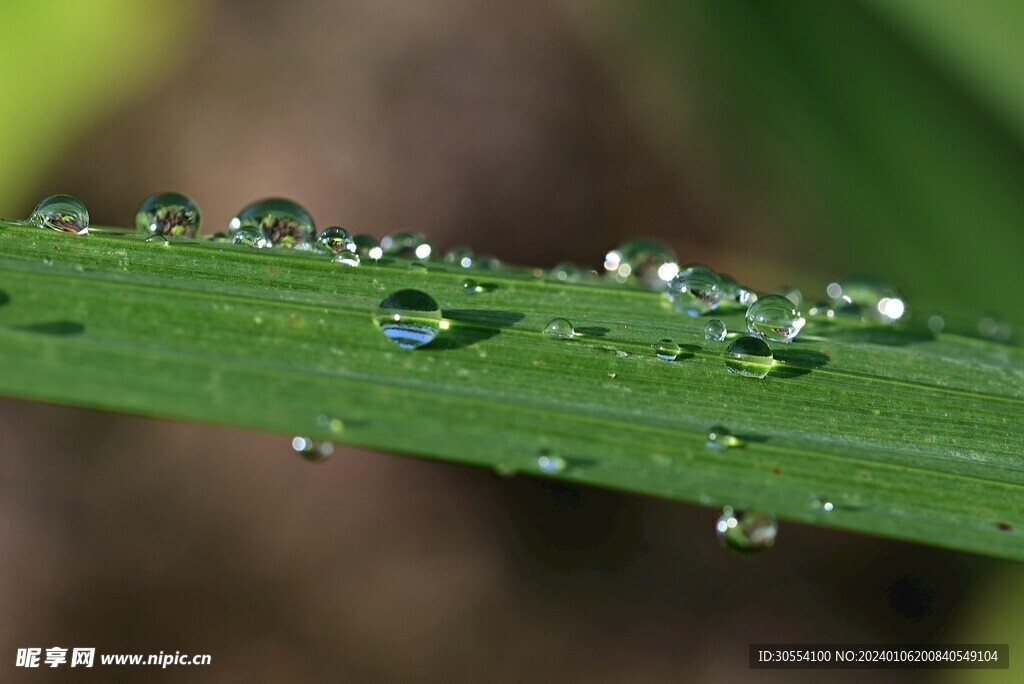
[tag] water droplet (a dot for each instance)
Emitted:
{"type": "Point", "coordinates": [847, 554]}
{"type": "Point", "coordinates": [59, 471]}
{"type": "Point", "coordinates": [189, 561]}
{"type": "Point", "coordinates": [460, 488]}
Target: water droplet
{"type": "Point", "coordinates": [694, 290]}
{"type": "Point", "coordinates": [995, 329]}
{"type": "Point", "coordinates": [470, 286]}
{"type": "Point", "coordinates": [551, 464]}
{"type": "Point", "coordinates": [774, 318]}
{"type": "Point", "coordinates": [409, 318]}
{"type": "Point", "coordinates": [667, 350]}
{"type": "Point", "coordinates": [461, 256]}
{"type": "Point", "coordinates": [406, 246]}
{"type": "Point", "coordinates": [418, 267]}
{"type": "Point", "coordinates": [560, 329]}
{"type": "Point", "coordinates": [566, 272]}
{"type": "Point", "coordinates": [936, 323]}
{"type": "Point", "coordinates": [749, 357]}
{"type": "Point", "coordinates": [875, 297]}
{"type": "Point", "coordinates": [720, 439]}
{"type": "Point", "coordinates": [250, 237]}
{"type": "Point", "coordinates": [169, 214]}
{"type": "Point", "coordinates": [335, 240]}
{"type": "Point", "coordinates": [366, 246]}
{"type": "Point", "coordinates": [733, 292]}
{"type": "Point", "coordinates": [312, 451]}
{"type": "Point", "coordinates": [63, 213]}
{"type": "Point", "coordinates": [647, 260]}
{"type": "Point", "coordinates": [746, 532]}
{"type": "Point", "coordinates": [488, 262]}
{"type": "Point", "coordinates": [824, 504]}
{"type": "Point", "coordinates": [346, 258]}
{"type": "Point", "coordinates": [715, 330]}
{"type": "Point", "coordinates": [284, 223]}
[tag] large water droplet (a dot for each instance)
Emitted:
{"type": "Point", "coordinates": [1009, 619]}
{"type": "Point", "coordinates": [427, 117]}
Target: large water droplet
{"type": "Point", "coordinates": [551, 464]}
{"type": "Point", "coordinates": [284, 223]}
{"type": "Point", "coordinates": [63, 213]}
{"type": "Point", "coordinates": [667, 350]}
{"type": "Point", "coordinates": [460, 256]}
{"type": "Point", "coordinates": [409, 318]}
{"type": "Point", "coordinates": [169, 214]}
{"type": "Point", "coordinates": [774, 318]}
{"type": "Point", "coordinates": [313, 452]}
{"type": "Point", "coordinates": [406, 246]}
{"type": "Point", "coordinates": [749, 357]}
{"type": "Point", "coordinates": [720, 439]}
{"type": "Point", "coordinates": [746, 532]}
{"type": "Point", "coordinates": [250, 237]}
{"type": "Point", "coordinates": [694, 290]}
{"type": "Point", "coordinates": [715, 330]}
{"type": "Point", "coordinates": [334, 240]}
{"type": "Point", "coordinates": [367, 247]}
{"type": "Point", "coordinates": [647, 260]}
{"type": "Point", "coordinates": [560, 329]}
{"type": "Point", "coordinates": [877, 299]}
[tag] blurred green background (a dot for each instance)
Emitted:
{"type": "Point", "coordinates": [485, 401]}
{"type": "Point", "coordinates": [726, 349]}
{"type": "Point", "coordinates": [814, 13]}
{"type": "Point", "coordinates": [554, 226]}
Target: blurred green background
{"type": "Point", "coordinates": [782, 142]}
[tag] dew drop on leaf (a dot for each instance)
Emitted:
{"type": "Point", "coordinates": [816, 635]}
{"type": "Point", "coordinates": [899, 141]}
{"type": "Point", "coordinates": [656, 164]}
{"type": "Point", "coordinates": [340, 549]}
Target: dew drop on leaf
{"type": "Point", "coordinates": [409, 318]}
{"type": "Point", "coordinates": [406, 246]}
{"type": "Point", "coordinates": [749, 357]}
{"type": "Point", "coordinates": [667, 350]}
{"type": "Point", "coordinates": [168, 214]}
{"type": "Point", "coordinates": [720, 439]}
{"type": "Point", "coordinates": [560, 329]}
{"type": "Point", "coordinates": [746, 532]}
{"type": "Point", "coordinates": [774, 318]}
{"type": "Point", "coordinates": [312, 451]}
{"type": "Point", "coordinates": [366, 246]}
{"type": "Point", "coordinates": [334, 240]}
{"type": "Point", "coordinates": [715, 330]}
{"type": "Point", "coordinates": [62, 213]}
{"type": "Point", "coordinates": [646, 260]}
{"type": "Point", "coordinates": [694, 291]}
{"type": "Point", "coordinates": [551, 464]}
{"type": "Point", "coordinates": [282, 222]}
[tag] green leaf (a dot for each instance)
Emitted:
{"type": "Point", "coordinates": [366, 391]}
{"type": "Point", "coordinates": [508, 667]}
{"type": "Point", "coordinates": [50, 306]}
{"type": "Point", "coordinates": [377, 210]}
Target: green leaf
{"type": "Point", "coordinates": [909, 434]}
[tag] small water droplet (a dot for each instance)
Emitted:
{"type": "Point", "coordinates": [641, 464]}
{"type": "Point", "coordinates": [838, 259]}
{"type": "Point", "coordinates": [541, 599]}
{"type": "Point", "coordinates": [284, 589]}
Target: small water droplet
{"type": "Point", "coordinates": [346, 258]}
{"type": "Point", "coordinates": [551, 464]}
{"type": "Point", "coordinates": [461, 256]}
{"type": "Point", "coordinates": [250, 237]}
{"type": "Point", "coordinates": [774, 318]}
{"type": "Point", "coordinates": [62, 213]}
{"type": "Point", "coordinates": [335, 240]}
{"type": "Point", "coordinates": [936, 323]}
{"type": "Point", "coordinates": [667, 350]}
{"type": "Point", "coordinates": [715, 330]}
{"type": "Point", "coordinates": [488, 262]}
{"type": "Point", "coordinates": [694, 290]}
{"type": "Point", "coordinates": [824, 505]}
{"type": "Point", "coordinates": [48, 261]}
{"type": "Point", "coordinates": [821, 310]}
{"type": "Point", "coordinates": [560, 329]}
{"type": "Point", "coordinates": [877, 299]}
{"type": "Point", "coordinates": [366, 246]}
{"type": "Point", "coordinates": [409, 318]}
{"type": "Point", "coordinates": [746, 532]}
{"type": "Point", "coordinates": [720, 439]}
{"type": "Point", "coordinates": [168, 214]}
{"type": "Point", "coordinates": [406, 246]}
{"type": "Point", "coordinates": [749, 357]}
{"type": "Point", "coordinates": [284, 223]}
{"type": "Point", "coordinates": [470, 286]}
{"type": "Point", "coordinates": [646, 260]}
{"type": "Point", "coordinates": [310, 450]}
{"type": "Point", "coordinates": [418, 267]}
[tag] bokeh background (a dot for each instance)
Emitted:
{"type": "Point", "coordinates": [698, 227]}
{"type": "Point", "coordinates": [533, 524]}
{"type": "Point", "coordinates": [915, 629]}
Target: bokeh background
{"type": "Point", "coordinates": [782, 142]}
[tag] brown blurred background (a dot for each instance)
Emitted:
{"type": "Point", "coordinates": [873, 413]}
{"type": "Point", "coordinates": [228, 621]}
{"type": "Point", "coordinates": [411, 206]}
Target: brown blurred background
{"type": "Point", "coordinates": [540, 131]}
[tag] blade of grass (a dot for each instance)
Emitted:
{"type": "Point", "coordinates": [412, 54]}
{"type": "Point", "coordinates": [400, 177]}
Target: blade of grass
{"type": "Point", "coordinates": [908, 434]}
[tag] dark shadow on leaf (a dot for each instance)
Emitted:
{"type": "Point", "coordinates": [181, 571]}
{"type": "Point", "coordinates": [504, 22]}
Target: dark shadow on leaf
{"type": "Point", "coordinates": [469, 326]}
{"type": "Point", "coordinates": [4, 297]}
{"type": "Point", "coordinates": [61, 328]}
{"type": "Point", "coordinates": [797, 362]}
